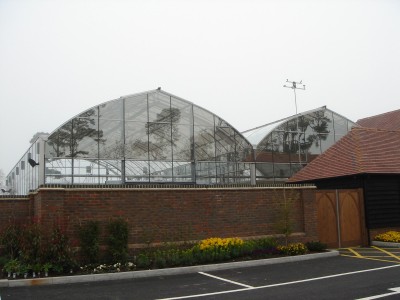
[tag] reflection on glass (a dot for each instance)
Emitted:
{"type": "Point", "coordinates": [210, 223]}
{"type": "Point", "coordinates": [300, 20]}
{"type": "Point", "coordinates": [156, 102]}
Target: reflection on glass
{"type": "Point", "coordinates": [293, 143]}
{"type": "Point", "coordinates": [147, 137]}
{"type": "Point", "coordinates": [204, 143]}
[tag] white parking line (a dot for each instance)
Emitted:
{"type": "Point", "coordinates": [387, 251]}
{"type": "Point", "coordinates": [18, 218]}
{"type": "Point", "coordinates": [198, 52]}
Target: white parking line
{"type": "Point", "coordinates": [223, 279]}
{"type": "Point", "coordinates": [395, 291]}
{"type": "Point", "coordinates": [281, 284]}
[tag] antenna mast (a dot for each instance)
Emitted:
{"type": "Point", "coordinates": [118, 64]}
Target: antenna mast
{"type": "Point", "coordinates": [296, 86]}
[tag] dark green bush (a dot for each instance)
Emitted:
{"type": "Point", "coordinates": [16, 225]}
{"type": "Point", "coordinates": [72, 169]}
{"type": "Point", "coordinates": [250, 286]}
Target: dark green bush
{"type": "Point", "coordinates": [32, 251]}
{"type": "Point", "coordinates": [143, 261]}
{"type": "Point", "coordinates": [117, 240]}
{"type": "Point", "coordinates": [58, 250]}
{"type": "Point", "coordinates": [10, 240]}
{"type": "Point", "coordinates": [89, 241]}
{"type": "Point", "coordinates": [316, 246]}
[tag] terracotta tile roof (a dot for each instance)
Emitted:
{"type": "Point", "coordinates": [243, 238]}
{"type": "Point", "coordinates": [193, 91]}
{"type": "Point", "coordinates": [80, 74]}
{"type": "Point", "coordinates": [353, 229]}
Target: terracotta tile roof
{"type": "Point", "coordinates": [388, 121]}
{"type": "Point", "coordinates": [362, 150]}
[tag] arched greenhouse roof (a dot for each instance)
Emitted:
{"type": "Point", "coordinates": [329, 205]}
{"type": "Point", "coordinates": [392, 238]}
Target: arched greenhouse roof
{"type": "Point", "coordinates": [283, 147]}
{"type": "Point", "coordinates": [256, 135]}
{"type": "Point", "coordinates": [152, 137]}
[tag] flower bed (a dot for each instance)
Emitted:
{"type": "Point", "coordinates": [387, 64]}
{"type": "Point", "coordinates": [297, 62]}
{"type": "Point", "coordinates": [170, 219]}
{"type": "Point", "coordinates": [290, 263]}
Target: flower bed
{"type": "Point", "coordinates": [387, 239]}
{"type": "Point", "coordinates": [213, 250]}
{"type": "Point", "coordinates": [390, 237]}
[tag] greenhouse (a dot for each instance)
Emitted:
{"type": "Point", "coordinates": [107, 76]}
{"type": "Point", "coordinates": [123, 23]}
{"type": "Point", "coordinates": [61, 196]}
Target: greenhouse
{"type": "Point", "coordinates": [151, 137]}
{"type": "Point", "coordinates": [156, 137]}
{"type": "Point", "coordinates": [283, 147]}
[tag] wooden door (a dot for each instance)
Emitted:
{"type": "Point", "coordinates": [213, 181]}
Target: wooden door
{"type": "Point", "coordinates": [340, 218]}
{"type": "Point", "coordinates": [327, 219]}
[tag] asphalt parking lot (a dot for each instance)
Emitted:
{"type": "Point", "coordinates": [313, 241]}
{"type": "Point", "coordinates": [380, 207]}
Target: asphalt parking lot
{"type": "Point", "coordinates": [358, 273]}
{"type": "Point", "coordinates": [373, 253]}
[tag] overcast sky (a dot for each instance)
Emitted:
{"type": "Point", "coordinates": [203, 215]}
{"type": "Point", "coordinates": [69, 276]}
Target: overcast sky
{"type": "Point", "coordinates": [58, 58]}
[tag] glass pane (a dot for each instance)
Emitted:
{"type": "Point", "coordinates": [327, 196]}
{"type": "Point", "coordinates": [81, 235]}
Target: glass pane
{"type": "Point", "coordinates": [85, 137]}
{"type": "Point", "coordinates": [231, 172]}
{"type": "Point", "coordinates": [340, 125]}
{"type": "Point", "coordinates": [244, 151]}
{"type": "Point", "coordinates": [111, 110]}
{"type": "Point", "coordinates": [159, 108]}
{"type": "Point", "coordinates": [202, 117]}
{"type": "Point", "coordinates": [326, 141]}
{"type": "Point", "coordinates": [242, 172]}
{"type": "Point", "coordinates": [183, 172]}
{"type": "Point", "coordinates": [221, 123]}
{"type": "Point", "coordinates": [185, 109]}
{"type": "Point", "coordinates": [90, 113]}
{"type": "Point", "coordinates": [110, 171]}
{"type": "Point", "coordinates": [265, 170]}
{"type": "Point", "coordinates": [111, 144]}
{"type": "Point", "coordinates": [225, 143]}
{"type": "Point", "coordinates": [136, 108]}
{"type": "Point", "coordinates": [51, 149]}
{"type": "Point", "coordinates": [295, 168]}
{"type": "Point", "coordinates": [182, 141]}
{"type": "Point", "coordinates": [266, 144]}
{"type": "Point", "coordinates": [281, 170]}
{"type": "Point", "coordinates": [204, 143]}
{"type": "Point", "coordinates": [311, 146]}
{"type": "Point", "coordinates": [205, 173]}
{"type": "Point", "coordinates": [160, 171]}
{"type": "Point", "coordinates": [137, 171]}
{"type": "Point", "coordinates": [160, 144]}
{"type": "Point", "coordinates": [59, 171]}
{"type": "Point", "coordinates": [86, 171]}
{"type": "Point", "coordinates": [59, 144]}
{"type": "Point", "coordinates": [136, 141]}
{"type": "Point", "coordinates": [285, 126]}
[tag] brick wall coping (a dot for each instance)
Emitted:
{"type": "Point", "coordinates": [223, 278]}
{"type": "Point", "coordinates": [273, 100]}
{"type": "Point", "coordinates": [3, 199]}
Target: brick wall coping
{"type": "Point", "coordinates": [14, 197]}
{"type": "Point", "coordinates": [164, 187]}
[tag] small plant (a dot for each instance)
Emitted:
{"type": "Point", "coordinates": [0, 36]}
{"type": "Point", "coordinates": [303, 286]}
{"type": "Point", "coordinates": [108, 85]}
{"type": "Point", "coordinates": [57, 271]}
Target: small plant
{"type": "Point", "coordinates": [285, 212]}
{"type": "Point", "coordinates": [12, 266]}
{"type": "Point", "coordinates": [118, 240]}
{"type": "Point", "coordinates": [23, 269]}
{"type": "Point", "coordinates": [36, 268]}
{"type": "Point", "coordinates": [46, 268]}
{"type": "Point", "coordinates": [390, 236]}
{"type": "Point", "coordinates": [316, 246]}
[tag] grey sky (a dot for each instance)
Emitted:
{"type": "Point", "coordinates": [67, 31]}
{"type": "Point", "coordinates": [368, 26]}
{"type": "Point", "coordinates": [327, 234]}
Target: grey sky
{"type": "Point", "coordinates": [58, 58]}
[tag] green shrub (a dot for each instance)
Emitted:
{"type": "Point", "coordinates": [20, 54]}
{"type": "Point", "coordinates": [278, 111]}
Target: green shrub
{"type": "Point", "coordinates": [10, 239]}
{"type": "Point", "coordinates": [160, 259]}
{"type": "Point", "coordinates": [316, 246]}
{"type": "Point", "coordinates": [117, 240]}
{"type": "Point", "coordinates": [143, 261]}
{"type": "Point", "coordinates": [32, 244]}
{"type": "Point", "coordinates": [89, 241]}
{"type": "Point", "coordinates": [58, 250]}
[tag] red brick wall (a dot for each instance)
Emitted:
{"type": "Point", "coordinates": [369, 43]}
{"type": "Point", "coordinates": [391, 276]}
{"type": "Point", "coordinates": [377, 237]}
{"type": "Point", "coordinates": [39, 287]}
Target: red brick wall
{"type": "Point", "coordinates": [178, 214]}
{"type": "Point", "coordinates": [14, 210]}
